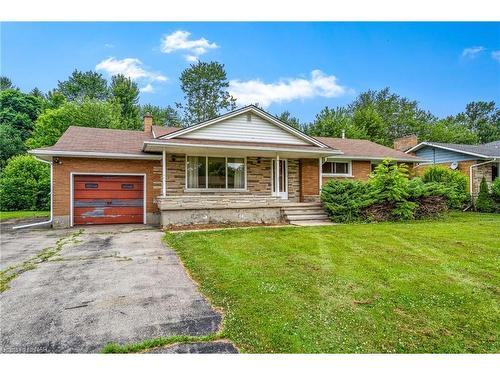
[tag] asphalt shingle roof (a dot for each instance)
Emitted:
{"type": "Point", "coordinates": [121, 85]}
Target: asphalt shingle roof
{"type": "Point", "coordinates": [491, 149]}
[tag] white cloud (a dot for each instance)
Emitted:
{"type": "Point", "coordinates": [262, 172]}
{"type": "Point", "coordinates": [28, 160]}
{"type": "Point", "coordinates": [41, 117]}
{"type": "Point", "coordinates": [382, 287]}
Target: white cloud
{"type": "Point", "coordinates": [109, 45]}
{"type": "Point", "coordinates": [472, 52]}
{"type": "Point", "coordinates": [286, 90]}
{"type": "Point", "coordinates": [495, 55]}
{"type": "Point", "coordinates": [129, 67]}
{"type": "Point", "coordinates": [147, 89]}
{"type": "Point", "coordinates": [179, 41]}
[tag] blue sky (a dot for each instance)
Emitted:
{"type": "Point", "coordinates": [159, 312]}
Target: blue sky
{"type": "Point", "coordinates": [301, 67]}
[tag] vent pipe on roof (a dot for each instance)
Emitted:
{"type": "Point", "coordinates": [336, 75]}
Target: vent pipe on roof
{"type": "Point", "coordinates": [148, 123]}
{"type": "Point", "coordinates": [343, 133]}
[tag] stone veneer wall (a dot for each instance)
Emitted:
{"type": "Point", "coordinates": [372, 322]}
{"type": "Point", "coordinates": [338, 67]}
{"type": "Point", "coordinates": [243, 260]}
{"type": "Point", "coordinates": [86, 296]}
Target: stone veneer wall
{"type": "Point", "coordinates": [258, 178]}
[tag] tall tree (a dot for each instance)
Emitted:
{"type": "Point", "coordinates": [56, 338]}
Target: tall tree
{"type": "Point", "coordinates": [126, 93]}
{"type": "Point", "coordinates": [167, 116]}
{"type": "Point", "coordinates": [6, 84]}
{"type": "Point", "coordinates": [19, 111]}
{"type": "Point", "coordinates": [38, 93]}
{"type": "Point", "coordinates": [399, 116]}
{"type": "Point", "coordinates": [11, 143]}
{"type": "Point", "coordinates": [84, 85]}
{"type": "Point", "coordinates": [287, 118]}
{"type": "Point", "coordinates": [206, 94]}
{"type": "Point", "coordinates": [52, 123]}
{"type": "Point", "coordinates": [448, 130]}
{"type": "Point", "coordinates": [482, 118]}
{"type": "Point", "coordinates": [331, 122]}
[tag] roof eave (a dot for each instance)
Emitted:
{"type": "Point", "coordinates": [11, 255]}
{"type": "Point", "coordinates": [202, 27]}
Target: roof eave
{"type": "Point", "coordinates": [91, 154]}
{"type": "Point", "coordinates": [319, 151]}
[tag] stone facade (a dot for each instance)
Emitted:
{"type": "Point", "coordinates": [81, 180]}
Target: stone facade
{"type": "Point", "coordinates": [258, 178]}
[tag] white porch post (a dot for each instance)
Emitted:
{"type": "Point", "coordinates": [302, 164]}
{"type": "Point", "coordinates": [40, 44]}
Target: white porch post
{"type": "Point", "coordinates": [277, 175]}
{"type": "Point", "coordinates": [320, 173]}
{"type": "Point", "coordinates": [164, 174]}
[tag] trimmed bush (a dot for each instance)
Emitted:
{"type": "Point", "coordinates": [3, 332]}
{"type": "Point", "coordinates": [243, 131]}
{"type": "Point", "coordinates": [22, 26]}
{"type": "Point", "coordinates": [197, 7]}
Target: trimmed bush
{"type": "Point", "coordinates": [495, 192]}
{"type": "Point", "coordinates": [24, 184]}
{"type": "Point", "coordinates": [454, 182]}
{"type": "Point", "coordinates": [345, 199]}
{"type": "Point", "coordinates": [484, 201]}
{"type": "Point", "coordinates": [388, 195]}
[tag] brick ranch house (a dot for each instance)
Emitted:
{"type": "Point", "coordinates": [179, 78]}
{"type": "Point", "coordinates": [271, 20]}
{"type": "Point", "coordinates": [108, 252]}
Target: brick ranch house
{"type": "Point", "coordinates": [244, 166]}
{"type": "Point", "coordinates": [475, 161]}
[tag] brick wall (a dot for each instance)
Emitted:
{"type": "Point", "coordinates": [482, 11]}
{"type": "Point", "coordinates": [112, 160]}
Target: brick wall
{"type": "Point", "coordinates": [361, 170]}
{"type": "Point", "coordinates": [309, 179]}
{"type": "Point", "coordinates": [152, 169]}
{"type": "Point", "coordinates": [405, 143]}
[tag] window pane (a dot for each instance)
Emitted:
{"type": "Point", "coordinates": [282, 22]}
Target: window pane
{"type": "Point", "coordinates": [196, 172]}
{"type": "Point", "coordinates": [374, 165]}
{"type": "Point", "coordinates": [341, 168]}
{"type": "Point", "coordinates": [216, 173]}
{"type": "Point", "coordinates": [327, 167]}
{"type": "Point", "coordinates": [235, 173]}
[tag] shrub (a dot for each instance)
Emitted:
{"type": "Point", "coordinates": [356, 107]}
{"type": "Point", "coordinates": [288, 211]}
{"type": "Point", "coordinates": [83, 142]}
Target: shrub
{"type": "Point", "coordinates": [345, 199]}
{"type": "Point", "coordinates": [484, 201]}
{"type": "Point", "coordinates": [454, 182]}
{"type": "Point", "coordinates": [495, 192]}
{"type": "Point", "coordinates": [390, 185]}
{"type": "Point", "coordinates": [24, 184]}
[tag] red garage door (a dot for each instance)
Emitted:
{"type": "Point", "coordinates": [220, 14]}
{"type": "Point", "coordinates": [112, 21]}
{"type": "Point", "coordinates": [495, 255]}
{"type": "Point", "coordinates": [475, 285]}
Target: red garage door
{"type": "Point", "coordinates": [108, 199]}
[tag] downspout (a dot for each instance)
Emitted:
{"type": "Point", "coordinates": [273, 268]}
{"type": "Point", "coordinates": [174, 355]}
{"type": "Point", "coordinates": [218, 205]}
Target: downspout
{"type": "Point", "coordinates": [471, 178]}
{"type": "Point", "coordinates": [51, 199]}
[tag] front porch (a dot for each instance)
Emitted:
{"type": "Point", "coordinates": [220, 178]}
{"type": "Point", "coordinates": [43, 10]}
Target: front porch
{"type": "Point", "coordinates": [188, 210]}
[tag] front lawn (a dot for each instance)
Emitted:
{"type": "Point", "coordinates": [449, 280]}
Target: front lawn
{"type": "Point", "coordinates": [428, 286]}
{"type": "Point", "coordinates": [8, 215]}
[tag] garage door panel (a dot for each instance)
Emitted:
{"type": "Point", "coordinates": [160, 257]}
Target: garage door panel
{"type": "Point", "coordinates": [109, 185]}
{"type": "Point", "coordinates": [102, 199]}
{"type": "Point", "coordinates": [108, 211]}
{"type": "Point", "coordinates": [89, 202]}
{"type": "Point", "coordinates": [102, 194]}
{"type": "Point", "coordinates": [110, 219]}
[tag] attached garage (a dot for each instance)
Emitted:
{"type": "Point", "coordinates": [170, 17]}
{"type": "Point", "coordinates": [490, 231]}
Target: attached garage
{"type": "Point", "coordinates": [108, 199]}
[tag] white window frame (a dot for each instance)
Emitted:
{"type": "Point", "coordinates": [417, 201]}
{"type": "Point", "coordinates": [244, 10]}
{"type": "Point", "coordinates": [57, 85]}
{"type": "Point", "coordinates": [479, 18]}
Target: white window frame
{"type": "Point", "coordinates": [206, 188]}
{"type": "Point", "coordinates": [349, 168]}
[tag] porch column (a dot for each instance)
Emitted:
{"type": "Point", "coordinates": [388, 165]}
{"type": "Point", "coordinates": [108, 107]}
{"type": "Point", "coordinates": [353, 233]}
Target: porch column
{"type": "Point", "coordinates": [277, 175]}
{"type": "Point", "coordinates": [164, 174]}
{"type": "Point", "coordinates": [320, 174]}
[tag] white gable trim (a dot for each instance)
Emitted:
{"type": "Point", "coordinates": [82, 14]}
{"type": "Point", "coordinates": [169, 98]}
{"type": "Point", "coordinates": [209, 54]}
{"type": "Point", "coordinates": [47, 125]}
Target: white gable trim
{"type": "Point", "coordinates": [430, 144]}
{"type": "Point", "coordinates": [241, 111]}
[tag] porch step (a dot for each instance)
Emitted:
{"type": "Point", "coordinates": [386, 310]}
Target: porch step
{"type": "Point", "coordinates": [307, 217]}
{"type": "Point", "coordinates": [305, 214]}
{"type": "Point", "coordinates": [311, 223]}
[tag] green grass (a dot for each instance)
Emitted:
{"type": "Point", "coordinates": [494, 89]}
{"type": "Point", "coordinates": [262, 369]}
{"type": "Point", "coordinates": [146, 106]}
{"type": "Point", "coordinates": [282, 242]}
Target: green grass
{"type": "Point", "coordinates": [113, 348]}
{"type": "Point", "coordinates": [8, 215]}
{"type": "Point", "coordinates": [427, 286]}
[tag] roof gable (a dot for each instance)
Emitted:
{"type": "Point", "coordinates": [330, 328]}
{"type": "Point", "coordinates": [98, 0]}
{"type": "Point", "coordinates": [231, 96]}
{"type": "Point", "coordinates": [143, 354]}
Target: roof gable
{"type": "Point", "coordinates": [248, 124]}
{"type": "Point", "coordinates": [488, 150]}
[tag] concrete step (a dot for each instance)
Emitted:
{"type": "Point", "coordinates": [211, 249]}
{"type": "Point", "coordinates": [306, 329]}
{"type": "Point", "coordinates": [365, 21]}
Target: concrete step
{"type": "Point", "coordinates": [318, 207]}
{"type": "Point", "coordinates": [310, 223]}
{"type": "Point", "coordinates": [316, 211]}
{"type": "Point", "coordinates": [300, 204]}
{"type": "Point", "coordinates": [307, 217]}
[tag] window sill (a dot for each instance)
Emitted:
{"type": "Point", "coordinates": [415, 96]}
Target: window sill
{"type": "Point", "coordinates": [337, 175]}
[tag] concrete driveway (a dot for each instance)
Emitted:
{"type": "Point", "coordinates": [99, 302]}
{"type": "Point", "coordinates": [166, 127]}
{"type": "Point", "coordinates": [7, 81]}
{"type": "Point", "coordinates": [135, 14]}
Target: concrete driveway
{"type": "Point", "coordinates": [97, 285]}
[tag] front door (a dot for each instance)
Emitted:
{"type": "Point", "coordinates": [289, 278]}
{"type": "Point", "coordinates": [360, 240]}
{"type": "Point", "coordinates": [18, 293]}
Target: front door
{"type": "Point", "coordinates": [280, 178]}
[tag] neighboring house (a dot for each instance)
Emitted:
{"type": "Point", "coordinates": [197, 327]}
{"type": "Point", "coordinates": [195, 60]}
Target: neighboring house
{"type": "Point", "coordinates": [244, 166]}
{"type": "Point", "coordinates": [476, 161]}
